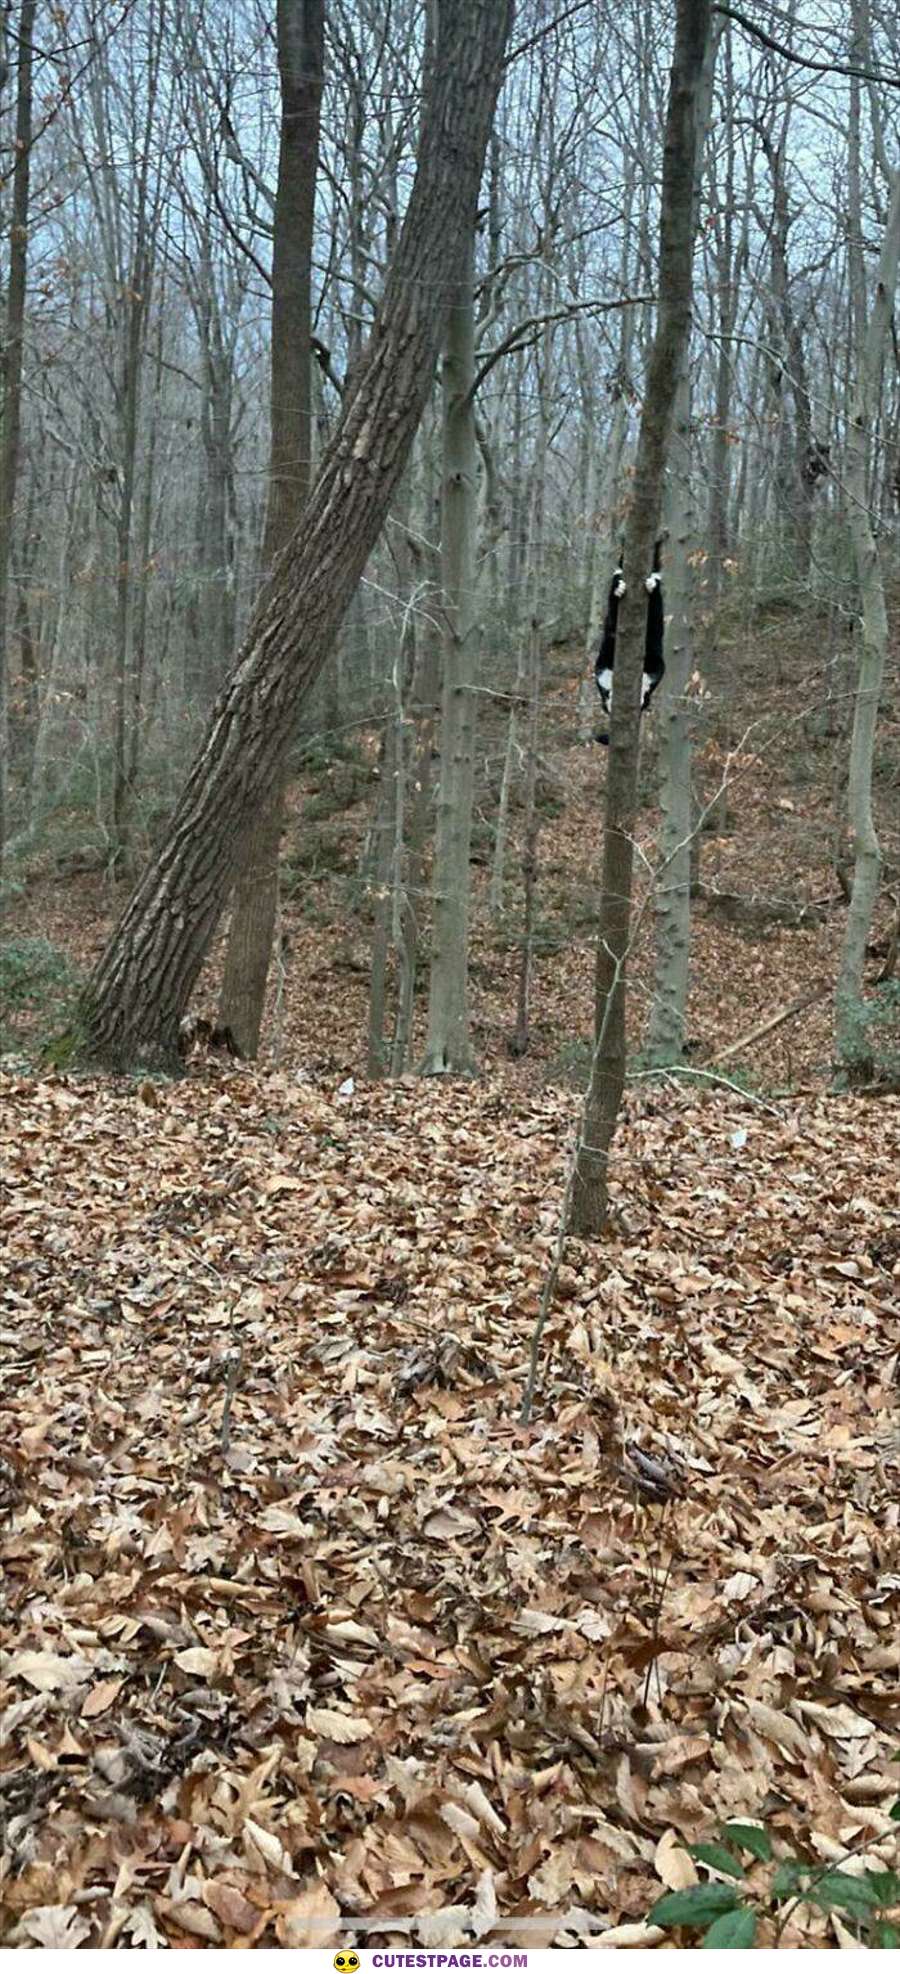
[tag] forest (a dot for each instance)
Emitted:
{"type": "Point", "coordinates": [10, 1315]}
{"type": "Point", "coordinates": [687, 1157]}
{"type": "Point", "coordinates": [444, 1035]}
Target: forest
{"type": "Point", "coordinates": [449, 975]}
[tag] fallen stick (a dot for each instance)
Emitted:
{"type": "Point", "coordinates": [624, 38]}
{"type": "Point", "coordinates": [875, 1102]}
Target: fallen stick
{"type": "Point", "coordinates": [774, 1021]}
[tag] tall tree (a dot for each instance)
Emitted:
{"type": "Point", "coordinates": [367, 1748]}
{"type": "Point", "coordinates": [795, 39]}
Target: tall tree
{"type": "Point", "coordinates": [672, 900]}
{"type": "Point", "coordinates": [133, 1005]}
{"type": "Point", "coordinates": [448, 1047]}
{"type": "Point", "coordinates": [676, 253]}
{"type": "Point", "coordinates": [301, 32]}
{"type": "Point", "coordinates": [12, 369]}
{"type": "Point", "coordinates": [863, 412]}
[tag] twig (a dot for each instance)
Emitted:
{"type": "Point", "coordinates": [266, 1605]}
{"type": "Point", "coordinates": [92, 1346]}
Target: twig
{"type": "Point", "coordinates": [774, 1021]}
{"type": "Point", "coordinates": [707, 1076]}
{"type": "Point", "coordinates": [234, 1371]}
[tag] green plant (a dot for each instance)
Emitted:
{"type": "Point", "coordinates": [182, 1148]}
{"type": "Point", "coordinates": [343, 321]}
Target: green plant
{"type": "Point", "coordinates": [317, 855]}
{"type": "Point", "coordinates": [727, 1913]}
{"type": "Point", "coordinates": [318, 753]}
{"type": "Point", "coordinates": [872, 1047]}
{"type": "Point", "coordinates": [37, 987]}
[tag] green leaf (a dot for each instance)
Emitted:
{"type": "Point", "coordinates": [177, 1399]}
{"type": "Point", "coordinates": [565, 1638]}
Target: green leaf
{"type": "Point", "coordinates": [750, 1837]}
{"type": "Point", "coordinates": [838, 1889]}
{"type": "Point", "coordinates": [732, 1929]}
{"type": "Point", "coordinates": [718, 1857]}
{"type": "Point", "coordinates": [789, 1877]}
{"type": "Point", "coordinates": [885, 1885]}
{"type": "Point", "coordinates": [694, 1906]}
{"type": "Point", "coordinates": [894, 1813]}
{"type": "Point", "coordinates": [885, 1935]}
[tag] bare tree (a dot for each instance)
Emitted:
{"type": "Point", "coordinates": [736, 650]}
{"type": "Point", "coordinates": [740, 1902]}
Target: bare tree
{"type": "Point", "coordinates": [134, 1003]}
{"type": "Point", "coordinates": [672, 894]}
{"type": "Point", "coordinates": [857, 472]}
{"type": "Point", "coordinates": [676, 245]}
{"type": "Point", "coordinates": [448, 1048]}
{"type": "Point", "coordinates": [12, 369]}
{"type": "Point", "coordinates": [301, 30]}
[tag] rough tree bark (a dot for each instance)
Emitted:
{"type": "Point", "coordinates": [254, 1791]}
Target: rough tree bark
{"type": "Point", "coordinates": [672, 897]}
{"type": "Point", "coordinates": [672, 900]}
{"type": "Point", "coordinates": [866, 849]}
{"type": "Point", "coordinates": [676, 244]}
{"type": "Point", "coordinates": [132, 1008]}
{"type": "Point", "coordinates": [12, 372]}
{"type": "Point", "coordinates": [448, 1048]}
{"type": "Point", "coordinates": [301, 34]}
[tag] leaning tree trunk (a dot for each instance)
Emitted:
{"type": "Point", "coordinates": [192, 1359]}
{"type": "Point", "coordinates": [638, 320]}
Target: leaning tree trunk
{"type": "Point", "coordinates": [676, 247]}
{"type": "Point", "coordinates": [867, 854]}
{"type": "Point", "coordinates": [301, 33]}
{"type": "Point", "coordinates": [448, 1048]}
{"type": "Point", "coordinates": [133, 1005]}
{"type": "Point", "coordinates": [12, 373]}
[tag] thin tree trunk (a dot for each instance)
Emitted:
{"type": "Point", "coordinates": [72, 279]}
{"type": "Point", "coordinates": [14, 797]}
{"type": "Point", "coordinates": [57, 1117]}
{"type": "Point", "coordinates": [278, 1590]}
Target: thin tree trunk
{"type": "Point", "coordinates": [607, 1079]}
{"type": "Point", "coordinates": [133, 1005]}
{"type": "Point", "coordinates": [672, 898]}
{"type": "Point", "coordinates": [536, 586]}
{"type": "Point", "coordinates": [448, 1047]}
{"type": "Point", "coordinates": [866, 849]}
{"type": "Point", "coordinates": [425, 717]}
{"type": "Point", "coordinates": [300, 57]}
{"type": "Point", "coordinates": [12, 375]}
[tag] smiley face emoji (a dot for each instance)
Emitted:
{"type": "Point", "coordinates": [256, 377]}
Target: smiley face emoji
{"type": "Point", "coordinates": [346, 1962]}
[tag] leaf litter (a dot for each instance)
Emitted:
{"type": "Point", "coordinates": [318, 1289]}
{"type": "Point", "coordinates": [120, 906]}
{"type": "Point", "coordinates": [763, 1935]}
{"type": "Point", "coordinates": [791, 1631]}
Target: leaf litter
{"type": "Point", "coordinates": [301, 1623]}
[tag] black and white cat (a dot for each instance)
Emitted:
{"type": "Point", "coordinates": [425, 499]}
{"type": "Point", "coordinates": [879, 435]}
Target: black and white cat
{"type": "Point", "coordinates": [654, 662]}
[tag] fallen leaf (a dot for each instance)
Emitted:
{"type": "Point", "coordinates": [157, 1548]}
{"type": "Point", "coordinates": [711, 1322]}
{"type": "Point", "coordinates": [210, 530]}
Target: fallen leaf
{"type": "Point", "coordinates": [639, 1934]}
{"type": "Point", "coordinates": [312, 1920]}
{"type": "Point", "coordinates": [198, 1659]}
{"type": "Point", "coordinates": [59, 1926]}
{"type": "Point", "coordinates": [230, 1905]}
{"type": "Point", "coordinates": [283, 1521]}
{"type": "Point", "coordinates": [101, 1697]}
{"type": "Point", "coordinates": [332, 1726]}
{"type": "Point", "coordinates": [778, 1727]}
{"type": "Point", "coordinates": [673, 1864]}
{"type": "Point", "coordinates": [48, 1672]}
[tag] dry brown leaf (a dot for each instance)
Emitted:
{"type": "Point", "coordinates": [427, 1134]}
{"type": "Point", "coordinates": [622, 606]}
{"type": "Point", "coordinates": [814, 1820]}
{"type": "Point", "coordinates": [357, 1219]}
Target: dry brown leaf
{"type": "Point", "coordinates": [673, 1864]}
{"type": "Point", "coordinates": [484, 1911]}
{"type": "Point", "coordinates": [48, 1672]}
{"type": "Point", "coordinates": [311, 1920]}
{"type": "Point", "coordinates": [230, 1905]}
{"type": "Point", "coordinates": [264, 1849]}
{"type": "Point", "coordinates": [679, 1753]}
{"type": "Point", "coordinates": [330, 1725]}
{"type": "Point", "coordinates": [198, 1659]}
{"type": "Point", "coordinates": [61, 1927]}
{"type": "Point", "coordinates": [101, 1697]}
{"type": "Point", "coordinates": [778, 1727]}
{"type": "Point", "coordinates": [640, 1934]}
{"type": "Point", "coordinates": [445, 1927]}
{"type": "Point", "coordinates": [190, 1917]}
{"type": "Point", "coordinates": [840, 1722]}
{"type": "Point", "coordinates": [283, 1521]}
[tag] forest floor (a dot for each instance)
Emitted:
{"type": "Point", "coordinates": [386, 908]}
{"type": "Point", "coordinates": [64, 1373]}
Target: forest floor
{"type": "Point", "coordinates": [302, 1622]}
